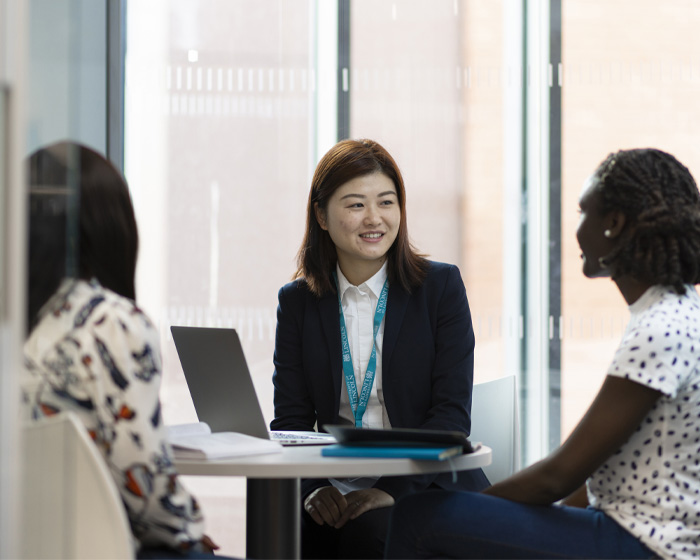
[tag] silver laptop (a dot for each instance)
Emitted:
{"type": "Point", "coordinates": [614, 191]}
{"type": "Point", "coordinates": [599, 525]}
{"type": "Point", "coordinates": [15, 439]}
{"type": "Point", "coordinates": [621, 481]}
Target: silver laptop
{"type": "Point", "coordinates": [222, 389]}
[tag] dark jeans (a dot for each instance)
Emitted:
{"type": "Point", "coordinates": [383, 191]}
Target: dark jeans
{"type": "Point", "coordinates": [442, 524]}
{"type": "Point", "coordinates": [364, 537]}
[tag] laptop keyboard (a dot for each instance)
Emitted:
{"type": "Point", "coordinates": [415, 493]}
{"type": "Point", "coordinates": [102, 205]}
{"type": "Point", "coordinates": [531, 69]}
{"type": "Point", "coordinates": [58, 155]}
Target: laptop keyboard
{"type": "Point", "coordinates": [283, 436]}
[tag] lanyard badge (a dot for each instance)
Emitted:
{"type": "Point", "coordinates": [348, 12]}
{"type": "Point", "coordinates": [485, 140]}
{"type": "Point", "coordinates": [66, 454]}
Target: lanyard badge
{"type": "Point", "coordinates": [359, 403]}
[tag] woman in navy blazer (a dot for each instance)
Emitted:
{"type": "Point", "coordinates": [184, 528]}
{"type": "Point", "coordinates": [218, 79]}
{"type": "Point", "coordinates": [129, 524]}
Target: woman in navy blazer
{"type": "Point", "coordinates": [356, 222]}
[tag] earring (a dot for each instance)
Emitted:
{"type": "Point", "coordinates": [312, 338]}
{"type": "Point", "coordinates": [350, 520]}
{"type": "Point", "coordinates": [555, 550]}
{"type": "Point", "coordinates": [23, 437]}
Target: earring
{"type": "Point", "coordinates": [602, 261]}
{"type": "Point", "coordinates": [607, 233]}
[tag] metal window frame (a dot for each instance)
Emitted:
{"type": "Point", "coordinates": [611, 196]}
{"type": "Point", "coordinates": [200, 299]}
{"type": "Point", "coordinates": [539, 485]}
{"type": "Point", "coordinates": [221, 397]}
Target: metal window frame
{"type": "Point", "coordinates": [541, 280]}
{"type": "Point", "coordinates": [343, 87]}
{"type": "Point", "coordinates": [554, 221]}
{"type": "Point", "coordinates": [330, 61]}
{"type": "Point", "coordinates": [116, 60]}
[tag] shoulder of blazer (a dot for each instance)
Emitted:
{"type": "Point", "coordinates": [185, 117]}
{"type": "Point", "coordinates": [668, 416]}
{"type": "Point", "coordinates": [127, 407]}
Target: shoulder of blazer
{"type": "Point", "coordinates": [439, 272]}
{"type": "Point", "coordinates": [294, 287]}
{"type": "Point", "coordinates": [292, 297]}
{"type": "Point", "coordinates": [297, 294]}
{"type": "Point", "coordinates": [437, 267]}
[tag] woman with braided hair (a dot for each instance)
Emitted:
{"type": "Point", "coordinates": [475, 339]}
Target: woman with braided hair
{"type": "Point", "coordinates": [626, 482]}
{"type": "Point", "coordinates": [659, 198]}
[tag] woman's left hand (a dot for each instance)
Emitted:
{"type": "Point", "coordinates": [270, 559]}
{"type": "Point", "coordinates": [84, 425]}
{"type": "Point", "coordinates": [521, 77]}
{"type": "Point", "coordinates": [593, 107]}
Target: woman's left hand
{"type": "Point", "coordinates": [361, 501]}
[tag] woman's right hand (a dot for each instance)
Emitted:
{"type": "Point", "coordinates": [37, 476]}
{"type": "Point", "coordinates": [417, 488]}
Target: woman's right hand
{"type": "Point", "coordinates": [208, 545]}
{"type": "Point", "coordinates": [325, 505]}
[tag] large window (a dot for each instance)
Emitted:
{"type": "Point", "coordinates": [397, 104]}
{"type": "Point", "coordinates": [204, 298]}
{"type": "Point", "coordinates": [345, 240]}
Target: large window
{"type": "Point", "coordinates": [631, 75]}
{"type": "Point", "coordinates": [496, 112]}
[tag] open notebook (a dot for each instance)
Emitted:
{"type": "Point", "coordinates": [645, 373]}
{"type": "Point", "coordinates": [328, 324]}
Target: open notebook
{"type": "Point", "coordinates": [197, 441]}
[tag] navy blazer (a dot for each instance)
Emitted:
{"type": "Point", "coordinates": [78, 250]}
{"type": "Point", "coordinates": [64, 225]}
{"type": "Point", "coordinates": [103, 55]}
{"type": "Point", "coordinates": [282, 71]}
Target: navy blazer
{"type": "Point", "coordinates": [427, 366]}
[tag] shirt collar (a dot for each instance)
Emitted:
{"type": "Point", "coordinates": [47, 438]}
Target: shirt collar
{"type": "Point", "coordinates": [374, 284]}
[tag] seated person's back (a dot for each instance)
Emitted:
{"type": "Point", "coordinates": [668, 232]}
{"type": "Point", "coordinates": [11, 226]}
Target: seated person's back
{"type": "Point", "coordinates": [91, 350]}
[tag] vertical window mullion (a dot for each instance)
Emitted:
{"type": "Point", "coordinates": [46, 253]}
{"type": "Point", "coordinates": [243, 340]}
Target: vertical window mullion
{"type": "Point", "coordinates": [555, 230]}
{"type": "Point", "coordinates": [323, 79]}
{"type": "Point", "coordinates": [343, 76]}
{"type": "Point", "coordinates": [536, 379]}
{"type": "Point", "coordinates": [514, 226]}
{"type": "Point", "coordinates": [116, 53]}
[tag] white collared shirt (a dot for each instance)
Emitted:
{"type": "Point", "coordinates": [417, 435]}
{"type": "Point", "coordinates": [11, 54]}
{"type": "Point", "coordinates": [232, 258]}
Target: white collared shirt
{"type": "Point", "coordinates": [359, 304]}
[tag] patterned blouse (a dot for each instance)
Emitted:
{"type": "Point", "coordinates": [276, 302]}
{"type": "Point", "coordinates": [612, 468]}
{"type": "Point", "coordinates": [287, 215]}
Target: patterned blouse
{"type": "Point", "coordinates": [651, 485]}
{"type": "Point", "coordinates": [95, 353]}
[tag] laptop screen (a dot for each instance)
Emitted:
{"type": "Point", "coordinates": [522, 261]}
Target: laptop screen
{"type": "Point", "coordinates": [219, 380]}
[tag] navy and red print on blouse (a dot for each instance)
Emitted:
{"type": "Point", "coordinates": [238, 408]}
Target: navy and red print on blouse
{"type": "Point", "coordinates": [95, 353]}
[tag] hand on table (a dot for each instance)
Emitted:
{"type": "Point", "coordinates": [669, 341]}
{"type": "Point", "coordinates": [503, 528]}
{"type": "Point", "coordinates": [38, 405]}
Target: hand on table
{"type": "Point", "coordinates": [328, 506]}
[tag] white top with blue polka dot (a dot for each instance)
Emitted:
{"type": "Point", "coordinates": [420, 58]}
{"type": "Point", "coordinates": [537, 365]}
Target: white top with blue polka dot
{"type": "Point", "coordinates": [651, 486]}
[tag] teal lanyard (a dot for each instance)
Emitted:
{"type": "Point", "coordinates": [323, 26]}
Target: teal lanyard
{"type": "Point", "coordinates": [359, 404]}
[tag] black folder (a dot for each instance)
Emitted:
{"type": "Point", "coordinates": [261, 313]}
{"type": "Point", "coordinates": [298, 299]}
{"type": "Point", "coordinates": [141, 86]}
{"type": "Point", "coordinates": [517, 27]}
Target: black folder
{"type": "Point", "coordinates": [399, 437]}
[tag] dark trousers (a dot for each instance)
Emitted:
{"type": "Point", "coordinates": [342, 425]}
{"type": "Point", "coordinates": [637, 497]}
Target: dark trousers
{"type": "Point", "coordinates": [442, 524]}
{"type": "Point", "coordinates": [363, 537]}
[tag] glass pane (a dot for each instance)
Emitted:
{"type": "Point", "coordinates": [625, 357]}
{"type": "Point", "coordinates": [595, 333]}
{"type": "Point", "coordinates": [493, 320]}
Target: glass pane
{"type": "Point", "coordinates": [62, 65]}
{"type": "Point", "coordinates": [226, 112]}
{"type": "Point", "coordinates": [436, 104]}
{"type": "Point", "coordinates": [220, 107]}
{"type": "Point", "coordinates": [631, 79]}
{"type": "Point", "coordinates": [227, 116]}
{"type": "Point", "coordinates": [230, 106]}
{"type": "Point", "coordinates": [66, 85]}
{"type": "Point", "coordinates": [66, 72]}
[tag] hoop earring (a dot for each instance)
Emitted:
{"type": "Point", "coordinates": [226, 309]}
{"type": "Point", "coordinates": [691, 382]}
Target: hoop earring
{"type": "Point", "coordinates": [603, 262]}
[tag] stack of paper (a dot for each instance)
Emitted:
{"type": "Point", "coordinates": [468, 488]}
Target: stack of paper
{"type": "Point", "coordinates": [196, 441]}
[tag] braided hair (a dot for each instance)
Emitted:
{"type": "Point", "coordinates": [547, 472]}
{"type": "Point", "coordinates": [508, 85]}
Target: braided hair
{"type": "Point", "coordinates": [660, 242]}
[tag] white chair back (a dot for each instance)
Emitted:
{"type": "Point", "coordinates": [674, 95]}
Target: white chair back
{"type": "Point", "coordinates": [495, 424]}
{"type": "Point", "coordinates": [71, 506]}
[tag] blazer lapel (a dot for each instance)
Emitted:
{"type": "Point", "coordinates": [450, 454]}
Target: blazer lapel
{"type": "Point", "coordinates": [395, 311]}
{"type": "Point", "coordinates": [330, 321]}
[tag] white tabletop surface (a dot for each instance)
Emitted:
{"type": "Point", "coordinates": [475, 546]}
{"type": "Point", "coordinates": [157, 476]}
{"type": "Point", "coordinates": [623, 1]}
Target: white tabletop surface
{"type": "Point", "coordinates": [307, 462]}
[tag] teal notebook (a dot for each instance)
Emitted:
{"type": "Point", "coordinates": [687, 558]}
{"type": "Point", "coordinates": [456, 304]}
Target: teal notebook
{"type": "Point", "coordinates": [429, 453]}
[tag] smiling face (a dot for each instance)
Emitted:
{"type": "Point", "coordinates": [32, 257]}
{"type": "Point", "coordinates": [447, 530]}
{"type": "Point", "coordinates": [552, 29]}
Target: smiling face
{"type": "Point", "coordinates": [591, 231]}
{"type": "Point", "coordinates": [362, 219]}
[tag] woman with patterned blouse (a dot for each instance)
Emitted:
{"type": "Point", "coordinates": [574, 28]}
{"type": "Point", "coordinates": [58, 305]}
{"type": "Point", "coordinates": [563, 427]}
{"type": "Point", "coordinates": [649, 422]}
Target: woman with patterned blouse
{"type": "Point", "coordinates": [635, 455]}
{"type": "Point", "coordinates": [92, 351]}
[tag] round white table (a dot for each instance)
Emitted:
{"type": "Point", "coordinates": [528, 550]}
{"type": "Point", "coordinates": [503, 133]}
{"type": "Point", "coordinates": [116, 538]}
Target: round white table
{"type": "Point", "coordinates": [273, 501]}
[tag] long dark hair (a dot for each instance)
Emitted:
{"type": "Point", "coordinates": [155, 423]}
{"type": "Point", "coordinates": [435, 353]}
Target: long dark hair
{"type": "Point", "coordinates": [660, 243]}
{"type": "Point", "coordinates": [317, 256]}
{"type": "Point", "coordinates": [81, 223]}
